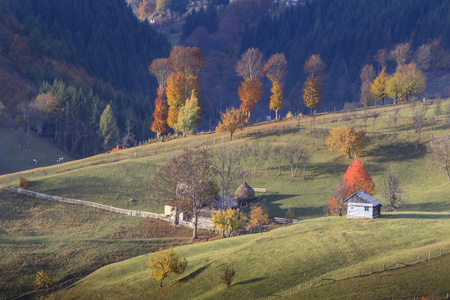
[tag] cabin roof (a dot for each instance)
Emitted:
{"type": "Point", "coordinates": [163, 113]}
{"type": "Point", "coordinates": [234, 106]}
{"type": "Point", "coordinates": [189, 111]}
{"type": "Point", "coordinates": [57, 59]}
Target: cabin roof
{"type": "Point", "coordinates": [362, 197]}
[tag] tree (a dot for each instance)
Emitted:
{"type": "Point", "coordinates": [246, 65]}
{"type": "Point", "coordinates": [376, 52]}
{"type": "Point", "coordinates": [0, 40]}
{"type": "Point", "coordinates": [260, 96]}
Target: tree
{"type": "Point", "coordinates": [146, 8]}
{"type": "Point", "coordinates": [258, 216]}
{"type": "Point", "coordinates": [265, 154]}
{"type": "Point", "coordinates": [108, 129]}
{"type": "Point", "coordinates": [251, 68]}
{"type": "Point", "coordinates": [187, 180]}
{"type": "Point", "coordinates": [161, 69]}
{"type": "Point", "coordinates": [275, 69]}
{"type": "Point", "coordinates": [176, 96]}
{"type": "Point", "coordinates": [277, 154]}
{"type": "Point", "coordinates": [250, 93]}
{"type": "Point", "coordinates": [187, 116]}
{"type": "Point", "coordinates": [358, 179]}
{"type": "Point", "coordinates": [160, 115]}
{"type": "Point", "coordinates": [347, 139]}
{"type": "Point", "coordinates": [423, 57]}
{"type": "Point", "coordinates": [165, 262]}
{"type": "Point", "coordinates": [128, 137]}
{"type": "Point", "coordinates": [227, 166]}
{"type": "Point", "coordinates": [44, 107]}
{"type": "Point", "coordinates": [355, 179]}
{"type": "Point", "coordinates": [312, 92]}
{"type": "Point", "coordinates": [227, 276]}
{"type": "Point", "coordinates": [42, 280]}
{"type": "Point", "coordinates": [419, 119]}
{"type": "Point", "coordinates": [378, 87]}
{"type": "Point", "coordinates": [439, 153]}
{"type": "Point", "coordinates": [367, 76]}
{"type": "Point", "coordinates": [232, 120]}
{"type": "Point", "coordinates": [407, 81]}
{"type": "Point", "coordinates": [229, 221]}
{"type": "Point", "coordinates": [314, 66]}
{"type": "Point", "coordinates": [393, 192]}
{"type": "Point", "coordinates": [162, 6]}
{"type": "Point", "coordinates": [401, 53]}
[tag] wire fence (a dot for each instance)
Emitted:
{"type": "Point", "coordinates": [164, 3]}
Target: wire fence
{"type": "Point", "coordinates": [362, 271]}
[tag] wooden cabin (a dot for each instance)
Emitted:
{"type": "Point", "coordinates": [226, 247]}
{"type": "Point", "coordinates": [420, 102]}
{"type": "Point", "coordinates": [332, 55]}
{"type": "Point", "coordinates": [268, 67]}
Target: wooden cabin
{"type": "Point", "coordinates": [362, 205]}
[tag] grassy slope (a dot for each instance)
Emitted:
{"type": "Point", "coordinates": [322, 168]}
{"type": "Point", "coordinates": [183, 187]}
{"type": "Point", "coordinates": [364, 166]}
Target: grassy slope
{"type": "Point", "coordinates": [18, 149]}
{"type": "Point", "coordinates": [68, 240]}
{"type": "Point", "coordinates": [310, 249]}
{"type": "Point", "coordinates": [116, 183]}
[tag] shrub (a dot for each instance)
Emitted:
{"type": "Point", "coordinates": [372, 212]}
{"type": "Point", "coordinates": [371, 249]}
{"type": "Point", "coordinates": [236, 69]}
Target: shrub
{"type": "Point", "coordinates": [227, 276]}
{"type": "Point", "coordinates": [24, 183]}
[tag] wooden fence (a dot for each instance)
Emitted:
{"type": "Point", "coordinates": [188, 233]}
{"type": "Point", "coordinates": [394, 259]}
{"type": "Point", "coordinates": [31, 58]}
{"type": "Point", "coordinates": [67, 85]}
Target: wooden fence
{"type": "Point", "coordinates": [359, 272]}
{"type": "Point", "coordinates": [132, 213]}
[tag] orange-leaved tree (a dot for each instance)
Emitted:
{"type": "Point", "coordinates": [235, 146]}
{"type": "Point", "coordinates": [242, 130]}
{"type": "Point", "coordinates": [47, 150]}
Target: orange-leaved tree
{"type": "Point", "coordinates": [251, 68]}
{"type": "Point", "coordinates": [312, 91]}
{"type": "Point", "coordinates": [275, 69]}
{"type": "Point", "coordinates": [355, 179]}
{"type": "Point", "coordinates": [159, 125]}
{"type": "Point", "coordinates": [258, 216]}
{"type": "Point", "coordinates": [232, 120]}
{"type": "Point", "coordinates": [347, 139]}
{"type": "Point", "coordinates": [176, 96]}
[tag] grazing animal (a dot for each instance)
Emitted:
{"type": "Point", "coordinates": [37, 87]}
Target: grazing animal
{"type": "Point", "coordinates": [60, 160]}
{"type": "Point", "coordinates": [34, 161]}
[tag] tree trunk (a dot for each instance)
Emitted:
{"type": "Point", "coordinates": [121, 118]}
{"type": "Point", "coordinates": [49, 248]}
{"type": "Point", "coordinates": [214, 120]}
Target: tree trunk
{"type": "Point", "coordinates": [195, 223]}
{"type": "Point", "coordinates": [448, 173]}
{"type": "Point", "coordinates": [276, 115]}
{"type": "Point", "coordinates": [267, 165]}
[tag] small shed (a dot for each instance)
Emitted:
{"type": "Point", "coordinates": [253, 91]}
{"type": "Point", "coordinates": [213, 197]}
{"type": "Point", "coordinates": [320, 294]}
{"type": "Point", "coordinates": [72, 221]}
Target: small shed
{"type": "Point", "coordinates": [244, 194]}
{"type": "Point", "coordinates": [224, 201]}
{"type": "Point", "coordinates": [362, 205]}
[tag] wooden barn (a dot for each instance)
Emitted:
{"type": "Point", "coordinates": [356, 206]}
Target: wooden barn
{"type": "Point", "coordinates": [362, 205]}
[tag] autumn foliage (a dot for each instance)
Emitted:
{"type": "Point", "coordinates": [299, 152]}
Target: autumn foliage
{"type": "Point", "coordinates": [229, 221]}
{"type": "Point", "coordinates": [312, 92]}
{"type": "Point", "coordinates": [160, 115]}
{"type": "Point", "coordinates": [250, 92]}
{"type": "Point", "coordinates": [164, 263]}
{"type": "Point", "coordinates": [355, 179]}
{"type": "Point", "coordinates": [232, 120]}
{"type": "Point", "coordinates": [347, 139]}
{"type": "Point", "coordinates": [258, 216]}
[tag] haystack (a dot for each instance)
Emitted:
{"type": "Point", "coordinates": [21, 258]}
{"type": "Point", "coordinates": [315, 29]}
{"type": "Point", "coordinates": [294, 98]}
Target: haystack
{"type": "Point", "coordinates": [244, 194]}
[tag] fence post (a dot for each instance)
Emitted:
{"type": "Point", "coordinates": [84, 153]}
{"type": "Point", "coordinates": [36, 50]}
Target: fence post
{"type": "Point", "coordinates": [299, 286]}
{"type": "Point", "coordinates": [429, 255]}
{"type": "Point", "coordinates": [418, 258]}
{"type": "Point", "coordinates": [406, 263]}
{"type": "Point", "coordinates": [346, 272]}
{"type": "Point", "coordinates": [359, 272]}
{"type": "Point", "coordinates": [440, 252]}
{"type": "Point", "coordinates": [291, 291]}
{"type": "Point", "coordinates": [371, 270]}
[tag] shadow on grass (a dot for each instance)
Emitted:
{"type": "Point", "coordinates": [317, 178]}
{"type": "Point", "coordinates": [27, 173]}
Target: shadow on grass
{"type": "Point", "coordinates": [194, 274]}
{"type": "Point", "coordinates": [414, 216]}
{"type": "Point", "coordinates": [397, 151]}
{"type": "Point", "coordinates": [253, 280]}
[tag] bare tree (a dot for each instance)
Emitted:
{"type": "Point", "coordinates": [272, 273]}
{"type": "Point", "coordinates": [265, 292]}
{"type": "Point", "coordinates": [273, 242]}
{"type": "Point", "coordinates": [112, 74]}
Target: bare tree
{"type": "Point", "coordinates": [367, 76]}
{"type": "Point", "coordinates": [419, 120]}
{"type": "Point", "coordinates": [314, 66]}
{"type": "Point", "coordinates": [401, 53]}
{"type": "Point", "coordinates": [374, 119]}
{"type": "Point", "coordinates": [255, 151]}
{"type": "Point", "coordinates": [227, 166]}
{"type": "Point", "coordinates": [277, 154]}
{"type": "Point", "coordinates": [320, 134]}
{"type": "Point", "coordinates": [128, 137]}
{"type": "Point", "coordinates": [365, 117]}
{"type": "Point", "coordinates": [382, 57]}
{"type": "Point", "coordinates": [295, 154]}
{"type": "Point", "coordinates": [423, 57]}
{"type": "Point", "coordinates": [393, 192]}
{"type": "Point", "coordinates": [265, 154]}
{"type": "Point", "coordinates": [251, 64]}
{"type": "Point", "coordinates": [439, 153]}
{"type": "Point", "coordinates": [244, 150]}
{"type": "Point", "coordinates": [161, 68]}
{"type": "Point", "coordinates": [394, 116]}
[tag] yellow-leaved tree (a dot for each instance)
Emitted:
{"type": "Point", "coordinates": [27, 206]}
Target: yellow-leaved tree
{"type": "Point", "coordinates": [258, 217]}
{"type": "Point", "coordinates": [229, 221]}
{"type": "Point", "coordinates": [378, 87]}
{"type": "Point", "coordinates": [232, 120]}
{"type": "Point", "coordinates": [347, 139]}
{"type": "Point", "coordinates": [312, 92]}
{"type": "Point", "coordinates": [164, 263]}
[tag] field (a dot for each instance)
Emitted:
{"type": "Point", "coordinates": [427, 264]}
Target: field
{"type": "Point", "coordinates": [312, 249]}
{"type": "Point", "coordinates": [124, 179]}
{"type": "Point", "coordinates": [70, 241]}
{"type": "Point", "coordinates": [18, 149]}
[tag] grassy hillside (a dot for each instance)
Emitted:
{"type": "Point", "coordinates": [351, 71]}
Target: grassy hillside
{"type": "Point", "coordinates": [117, 178]}
{"type": "Point", "coordinates": [18, 149]}
{"type": "Point", "coordinates": [68, 240]}
{"type": "Point", "coordinates": [312, 249]}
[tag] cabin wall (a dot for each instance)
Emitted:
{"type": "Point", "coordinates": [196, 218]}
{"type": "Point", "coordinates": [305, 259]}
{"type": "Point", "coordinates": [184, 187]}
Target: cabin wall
{"type": "Point", "coordinates": [360, 210]}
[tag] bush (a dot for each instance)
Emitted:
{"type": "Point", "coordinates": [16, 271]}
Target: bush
{"type": "Point", "coordinates": [24, 183]}
{"type": "Point", "coordinates": [227, 276]}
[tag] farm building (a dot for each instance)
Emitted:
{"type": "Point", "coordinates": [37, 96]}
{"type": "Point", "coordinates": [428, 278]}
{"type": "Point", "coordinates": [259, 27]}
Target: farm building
{"type": "Point", "coordinates": [362, 205]}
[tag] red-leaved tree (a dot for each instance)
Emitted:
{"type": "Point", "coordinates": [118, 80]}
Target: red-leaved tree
{"type": "Point", "coordinates": [355, 179]}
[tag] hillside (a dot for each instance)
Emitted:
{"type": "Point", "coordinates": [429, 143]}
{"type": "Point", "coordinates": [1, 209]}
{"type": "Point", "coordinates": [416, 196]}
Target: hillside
{"type": "Point", "coordinates": [311, 249]}
{"type": "Point", "coordinates": [117, 178]}
{"type": "Point", "coordinates": [19, 149]}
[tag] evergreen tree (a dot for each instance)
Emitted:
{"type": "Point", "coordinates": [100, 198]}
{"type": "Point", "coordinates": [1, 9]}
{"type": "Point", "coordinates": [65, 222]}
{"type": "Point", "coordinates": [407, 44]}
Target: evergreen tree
{"type": "Point", "coordinates": [108, 129]}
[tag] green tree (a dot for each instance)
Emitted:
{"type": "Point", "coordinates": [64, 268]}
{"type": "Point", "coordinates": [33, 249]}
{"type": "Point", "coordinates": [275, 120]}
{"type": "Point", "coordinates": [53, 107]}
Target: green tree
{"type": "Point", "coordinates": [108, 129]}
{"type": "Point", "coordinates": [188, 115]}
{"type": "Point", "coordinates": [164, 263]}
